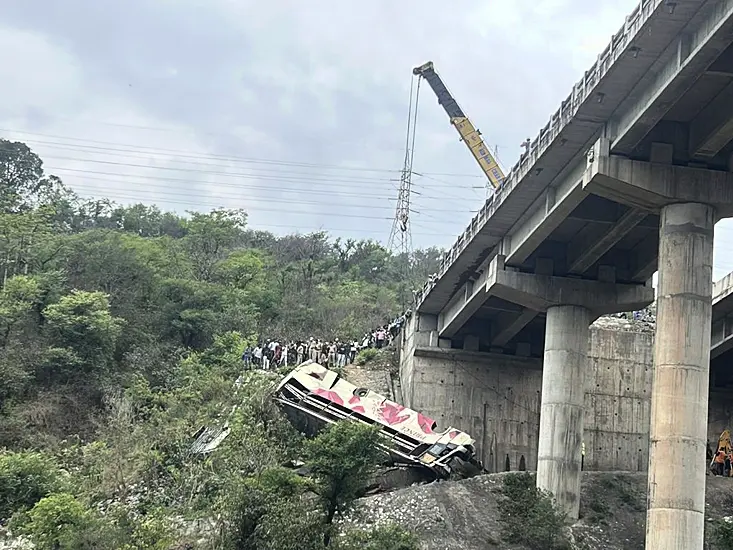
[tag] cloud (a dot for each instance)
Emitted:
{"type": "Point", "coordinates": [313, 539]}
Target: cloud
{"type": "Point", "coordinates": [255, 104]}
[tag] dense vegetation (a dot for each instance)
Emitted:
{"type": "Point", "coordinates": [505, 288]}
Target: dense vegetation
{"type": "Point", "coordinates": [528, 515]}
{"type": "Point", "coordinates": [121, 332]}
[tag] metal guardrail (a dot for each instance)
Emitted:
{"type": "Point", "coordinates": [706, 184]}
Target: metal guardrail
{"type": "Point", "coordinates": [568, 108]}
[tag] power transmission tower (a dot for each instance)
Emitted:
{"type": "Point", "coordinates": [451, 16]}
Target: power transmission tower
{"type": "Point", "coordinates": [400, 238]}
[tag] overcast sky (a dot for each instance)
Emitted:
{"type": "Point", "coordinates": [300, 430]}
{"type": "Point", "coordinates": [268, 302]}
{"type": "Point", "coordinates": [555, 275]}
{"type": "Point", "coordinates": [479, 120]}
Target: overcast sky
{"type": "Point", "coordinates": [294, 110]}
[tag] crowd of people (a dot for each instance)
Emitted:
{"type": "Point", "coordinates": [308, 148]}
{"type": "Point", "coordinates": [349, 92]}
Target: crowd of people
{"type": "Point", "coordinates": [272, 354]}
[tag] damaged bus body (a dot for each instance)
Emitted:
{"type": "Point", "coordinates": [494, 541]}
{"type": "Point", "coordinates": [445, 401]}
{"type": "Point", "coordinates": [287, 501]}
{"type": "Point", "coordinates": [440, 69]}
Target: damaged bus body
{"type": "Point", "coordinates": [314, 396]}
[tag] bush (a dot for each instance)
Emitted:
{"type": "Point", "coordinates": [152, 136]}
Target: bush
{"type": "Point", "coordinates": [364, 356]}
{"type": "Point", "coordinates": [528, 515]}
{"type": "Point", "coordinates": [25, 478]}
{"type": "Point", "coordinates": [721, 534]}
{"type": "Point", "coordinates": [60, 522]}
{"type": "Point", "coordinates": [265, 511]}
{"type": "Point", "coordinates": [387, 537]}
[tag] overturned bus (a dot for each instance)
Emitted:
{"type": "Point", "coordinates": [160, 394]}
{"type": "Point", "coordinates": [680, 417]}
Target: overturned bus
{"type": "Point", "coordinates": [313, 396]}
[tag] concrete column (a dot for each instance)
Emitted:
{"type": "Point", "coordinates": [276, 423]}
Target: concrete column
{"type": "Point", "coordinates": [676, 506]}
{"type": "Point", "coordinates": [563, 397]}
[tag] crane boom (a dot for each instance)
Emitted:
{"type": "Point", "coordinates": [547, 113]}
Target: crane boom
{"type": "Point", "coordinates": [469, 134]}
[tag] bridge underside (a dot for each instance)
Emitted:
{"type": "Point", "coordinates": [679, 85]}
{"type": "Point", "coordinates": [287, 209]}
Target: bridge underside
{"type": "Point", "coordinates": [721, 341]}
{"type": "Point", "coordinates": [630, 174]}
{"type": "Point", "coordinates": [572, 232]}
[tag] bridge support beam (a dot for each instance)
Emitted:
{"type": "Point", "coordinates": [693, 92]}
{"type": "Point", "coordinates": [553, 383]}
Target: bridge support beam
{"type": "Point", "coordinates": [677, 464]}
{"type": "Point", "coordinates": [562, 405]}
{"type": "Point", "coordinates": [689, 201]}
{"type": "Point", "coordinates": [571, 305]}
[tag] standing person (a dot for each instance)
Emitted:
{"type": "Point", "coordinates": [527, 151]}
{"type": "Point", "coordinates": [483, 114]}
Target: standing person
{"type": "Point", "coordinates": [313, 350]}
{"type": "Point", "coordinates": [332, 355]}
{"type": "Point", "coordinates": [257, 356]}
{"type": "Point", "coordinates": [266, 359]}
{"type": "Point", "coordinates": [380, 337]}
{"type": "Point", "coordinates": [323, 359]}
{"type": "Point", "coordinates": [299, 352]}
{"type": "Point", "coordinates": [352, 351]}
{"type": "Point", "coordinates": [247, 358]}
{"type": "Point", "coordinates": [341, 353]}
{"type": "Point", "coordinates": [718, 464]}
{"type": "Point", "coordinates": [277, 355]}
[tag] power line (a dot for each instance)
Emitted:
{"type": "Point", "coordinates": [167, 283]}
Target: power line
{"type": "Point", "coordinates": [329, 192]}
{"type": "Point", "coordinates": [172, 191]}
{"type": "Point", "coordinates": [117, 196]}
{"type": "Point", "coordinates": [197, 154]}
{"type": "Point", "coordinates": [309, 178]}
{"type": "Point", "coordinates": [289, 213]}
{"type": "Point", "coordinates": [207, 182]}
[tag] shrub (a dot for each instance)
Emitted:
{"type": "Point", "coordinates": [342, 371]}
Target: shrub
{"type": "Point", "coordinates": [528, 515]}
{"type": "Point", "coordinates": [340, 459]}
{"type": "Point", "coordinates": [25, 478]}
{"type": "Point", "coordinates": [265, 511]}
{"type": "Point", "coordinates": [387, 537]}
{"type": "Point", "coordinates": [60, 522]}
{"type": "Point", "coordinates": [721, 534]}
{"type": "Point", "coordinates": [364, 356]}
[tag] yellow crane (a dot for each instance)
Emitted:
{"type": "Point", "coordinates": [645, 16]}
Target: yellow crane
{"type": "Point", "coordinates": [469, 134]}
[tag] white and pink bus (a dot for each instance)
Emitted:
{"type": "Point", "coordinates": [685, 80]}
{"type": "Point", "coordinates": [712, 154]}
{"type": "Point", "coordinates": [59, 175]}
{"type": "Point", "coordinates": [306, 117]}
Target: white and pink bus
{"type": "Point", "coordinates": [313, 396]}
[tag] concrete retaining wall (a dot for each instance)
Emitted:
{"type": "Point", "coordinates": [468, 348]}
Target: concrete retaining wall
{"type": "Point", "coordinates": [618, 400]}
{"type": "Point", "coordinates": [496, 398]}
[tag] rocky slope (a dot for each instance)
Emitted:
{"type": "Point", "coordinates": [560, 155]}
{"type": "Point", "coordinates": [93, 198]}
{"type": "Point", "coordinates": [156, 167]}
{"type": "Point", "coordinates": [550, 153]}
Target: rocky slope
{"type": "Point", "coordinates": [463, 515]}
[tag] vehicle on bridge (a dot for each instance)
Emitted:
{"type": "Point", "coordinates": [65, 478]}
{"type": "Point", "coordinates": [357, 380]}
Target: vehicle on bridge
{"type": "Point", "coordinates": [314, 396]}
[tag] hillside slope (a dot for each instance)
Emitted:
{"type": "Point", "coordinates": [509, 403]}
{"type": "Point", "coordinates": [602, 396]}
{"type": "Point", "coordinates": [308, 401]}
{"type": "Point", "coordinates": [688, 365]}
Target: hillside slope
{"type": "Point", "coordinates": [463, 515]}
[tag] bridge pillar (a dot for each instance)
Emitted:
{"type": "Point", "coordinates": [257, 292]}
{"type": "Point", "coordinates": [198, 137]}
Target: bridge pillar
{"type": "Point", "coordinates": [689, 200]}
{"type": "Point", "coordinates": [563, 398]}
{"type": "Point", "coordinates": [571, 305]}
{"type": "Point", "coordinates": [677, 463]}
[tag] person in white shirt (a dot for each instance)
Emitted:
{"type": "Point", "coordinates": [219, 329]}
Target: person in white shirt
{"type": "Point", "coordinates": [300, 352]}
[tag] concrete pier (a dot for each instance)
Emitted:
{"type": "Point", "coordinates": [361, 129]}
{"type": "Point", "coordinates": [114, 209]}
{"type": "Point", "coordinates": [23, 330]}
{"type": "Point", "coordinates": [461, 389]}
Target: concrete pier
{"type": "Point", "coordinates": [677, 463]}
{"type": "Point", "coordinates": [570, 305]}
{"type": "Point", "coordinates": [563, 397]}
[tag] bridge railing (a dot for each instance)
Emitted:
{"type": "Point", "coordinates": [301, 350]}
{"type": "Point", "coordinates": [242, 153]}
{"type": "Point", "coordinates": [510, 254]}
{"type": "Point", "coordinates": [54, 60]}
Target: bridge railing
{"type": "Point", "coordinates": [582, 90]}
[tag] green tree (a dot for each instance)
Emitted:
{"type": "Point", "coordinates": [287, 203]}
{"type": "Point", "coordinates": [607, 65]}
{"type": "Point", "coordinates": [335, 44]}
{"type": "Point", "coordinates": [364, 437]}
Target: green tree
{"type": "Point", "coordinates": [243, 269]}
{"type": "Point", "coordinates": [341, 459]}
{"type": "Point", "coordinates": [210, 237]}
{"type": "Point", "coordinates": [26, 478]}
{"type": "Point", "coordinates": [61, 522]}
{"type": "Point", "coordinates": [266, 512]}
{"type": "Point", "coordinates": [21, 171]}
{"type": "Point", "coordinates": [17, 300]}
{"type": "Point", "coordinates": [193, 311]}
{"type": "Point", "coordinates": [20, 236]}
{"type": "Point", "coordinates": [81, 324]}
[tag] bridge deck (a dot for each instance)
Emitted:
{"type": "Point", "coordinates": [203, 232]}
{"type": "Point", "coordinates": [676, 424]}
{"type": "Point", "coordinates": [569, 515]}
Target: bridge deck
{"type": "Point", "coordinates": [542, 203]}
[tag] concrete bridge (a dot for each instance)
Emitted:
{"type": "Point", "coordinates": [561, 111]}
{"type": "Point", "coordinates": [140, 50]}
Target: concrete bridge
{"type": "Point", "coordinates": [627, 178]}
